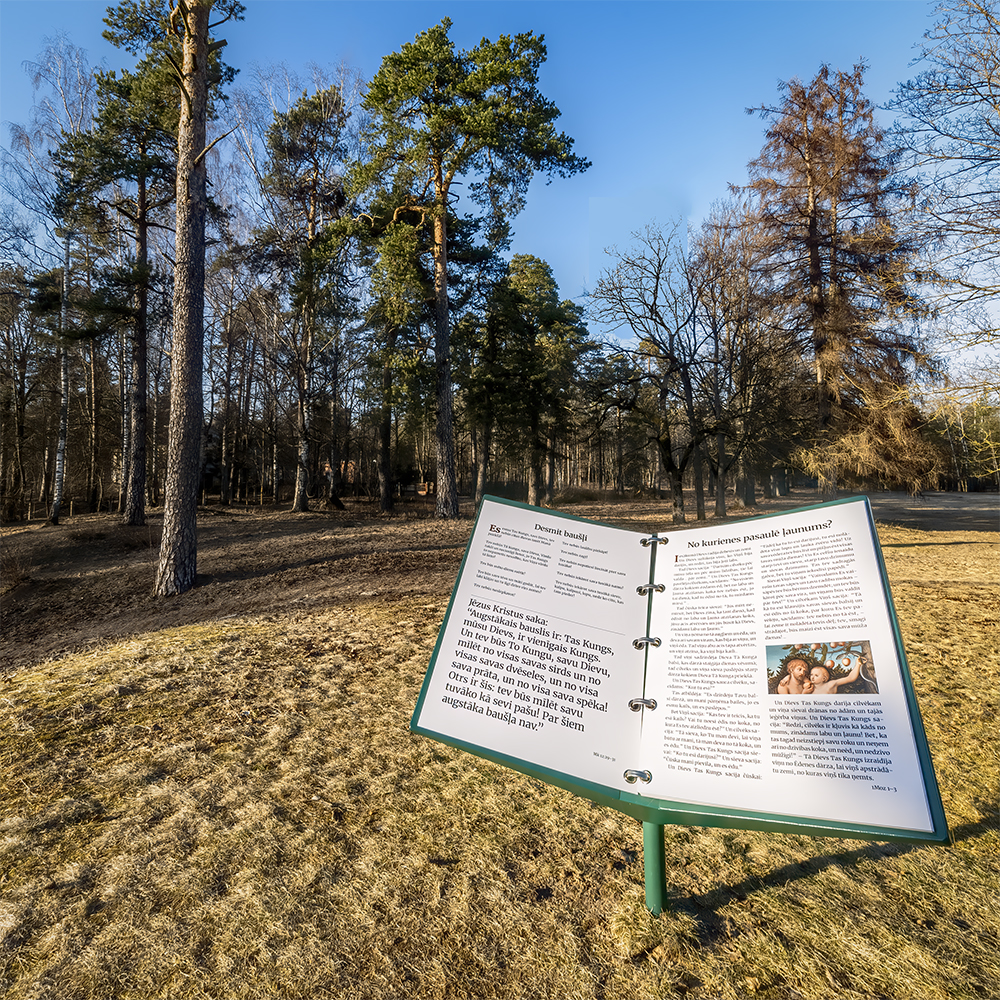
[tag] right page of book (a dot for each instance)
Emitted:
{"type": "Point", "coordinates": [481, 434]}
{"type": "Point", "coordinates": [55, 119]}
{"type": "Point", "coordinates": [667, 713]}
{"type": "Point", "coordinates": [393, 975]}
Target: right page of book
{"type": "Point", "coordinates": [779, 680]}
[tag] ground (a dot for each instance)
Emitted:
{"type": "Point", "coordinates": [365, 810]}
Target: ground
{"type": "Point", "coordinates": [89, 580]}
{"type": "Point", "coordinates": [218, 795]}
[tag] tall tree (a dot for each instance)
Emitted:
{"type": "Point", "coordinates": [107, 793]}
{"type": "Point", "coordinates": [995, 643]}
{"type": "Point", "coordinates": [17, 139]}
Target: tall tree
{"type": "Point", "coordinates": [446, 113]}
{"type": "Point", "coordinates": [825, 180]}
{"type": "Point", "coordinates": [303, 186]}
{"type": "Point", "coordinates": [20, 381]}
{"type": "Point", "coordinates": [547, 343]}
{"type": "Point", "coordinates": [949, 123]}
{"type": "Point", "coordinates": [653, 291]}
{"type": "Point", "coordinates": [754, 385]}
{"type": "Point", "coordinates": [400, 287]}
{"type": "Point", "coordinates": [65, 109]}
{"type": "Point", "coordinates": [127, 162]}
{"type": "Point", "coordinates": [185, 29]}
{"type": "Point", "coordinates": [65, 91]}
{"type": "Point", "coordinates": [178, 549]}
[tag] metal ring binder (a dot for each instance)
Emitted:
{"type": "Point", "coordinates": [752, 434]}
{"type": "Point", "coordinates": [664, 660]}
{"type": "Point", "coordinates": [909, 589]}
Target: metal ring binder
{"type": "Point", "coordinates": [637, 704]}
{"type": "Point", "coordinates": [648, 640]}
{"type": "Point", "coordinates": [632, 776]}
{"type": "Point", "coordinates": [644, 588]}
{"type": "Point", "coordinates": [653, 540]}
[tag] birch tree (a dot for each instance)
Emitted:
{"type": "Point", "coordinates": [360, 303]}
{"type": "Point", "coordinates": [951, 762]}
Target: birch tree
{"type": "Point", "coordinates": [62, 80]}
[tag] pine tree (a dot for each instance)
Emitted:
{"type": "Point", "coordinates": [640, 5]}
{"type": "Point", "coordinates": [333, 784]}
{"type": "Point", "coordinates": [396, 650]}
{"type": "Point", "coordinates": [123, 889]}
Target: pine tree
{"type": "Point", "coordinates": [447, 113]}
{"type": "Point", "coordinates": [304, 185]}
{"type": "Point", "coordinates": [128, 161]}
{"type": "Point", "coordinates": [153, 24]}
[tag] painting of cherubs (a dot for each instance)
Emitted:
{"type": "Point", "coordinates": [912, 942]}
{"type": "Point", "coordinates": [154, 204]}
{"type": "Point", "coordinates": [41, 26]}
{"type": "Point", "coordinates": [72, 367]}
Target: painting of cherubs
{"type": "Point", "coordinates": [833, 667]}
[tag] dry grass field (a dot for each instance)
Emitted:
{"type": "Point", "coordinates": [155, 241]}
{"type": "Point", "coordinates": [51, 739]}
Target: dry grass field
{"type": "Point", "coordinates": [217, 796]}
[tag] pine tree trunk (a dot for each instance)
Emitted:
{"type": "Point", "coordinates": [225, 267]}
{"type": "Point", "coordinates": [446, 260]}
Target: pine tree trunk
{"type": "Point", "coordinates": [536, 459]}
{"type": "Point", "coordinates": [60, 475]}
{"type": "Point", "coordinates": [447, 488]}
{"type": "Point", "coordinates": [300, 502]}
{"type": "Point", "coordinates": [385, 428]}
{"type": "Point", "coordinates": [534, 479]}
{"type": "Point", "coordinates": [179, 546]}
{"type": "Point", "coordinates": [483, 465]}
{"type": "Point", "coordinates": [135, 489]}
{"type": "Point", "coordinates": [550, 474]}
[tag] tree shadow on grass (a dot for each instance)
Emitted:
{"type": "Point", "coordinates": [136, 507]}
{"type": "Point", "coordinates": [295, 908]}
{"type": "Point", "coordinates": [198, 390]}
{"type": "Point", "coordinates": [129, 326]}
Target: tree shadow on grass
{"type": "Point", "coordinates": [704, 907]}
{"type": "Point", "coordinates": [386, 560]}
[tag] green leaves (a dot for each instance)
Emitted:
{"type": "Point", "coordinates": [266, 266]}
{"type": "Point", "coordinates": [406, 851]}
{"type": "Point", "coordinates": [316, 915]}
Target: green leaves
{"type": "Point", "coordinates": [448, 112]}
{"type": "Point", "coordinates": [397, 280]}
{"type": "Point", "coordinates": [137, 25]}
{"type": "Point", "coordinates": [307, 147]}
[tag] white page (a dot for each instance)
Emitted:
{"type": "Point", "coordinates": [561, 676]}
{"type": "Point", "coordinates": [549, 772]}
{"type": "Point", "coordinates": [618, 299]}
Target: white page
{"type": "Point", "coordinates": [536, 658]}
{"type": "Point", "coordinates": [740, 596]}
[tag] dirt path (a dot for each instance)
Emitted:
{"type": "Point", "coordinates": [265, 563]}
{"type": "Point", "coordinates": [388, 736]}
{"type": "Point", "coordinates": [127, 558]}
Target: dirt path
{"type": "Point", "coordinates": [938, 511]}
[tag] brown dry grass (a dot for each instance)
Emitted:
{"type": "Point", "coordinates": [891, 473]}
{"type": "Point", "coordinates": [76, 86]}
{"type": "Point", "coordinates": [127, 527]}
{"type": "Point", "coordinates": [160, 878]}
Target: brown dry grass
{"type": "Point", "coordinates": [235, 808]}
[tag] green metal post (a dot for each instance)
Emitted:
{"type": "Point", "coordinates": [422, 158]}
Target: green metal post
{"type": "Point", "coordinates": [655, 864]}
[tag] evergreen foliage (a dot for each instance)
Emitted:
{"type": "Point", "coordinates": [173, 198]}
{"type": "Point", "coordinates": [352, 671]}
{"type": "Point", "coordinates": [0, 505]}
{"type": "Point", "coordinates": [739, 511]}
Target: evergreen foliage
{"type": "Point", "coordinates": [336, 309]}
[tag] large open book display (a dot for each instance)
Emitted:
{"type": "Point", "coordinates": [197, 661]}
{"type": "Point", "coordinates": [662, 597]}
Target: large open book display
{"type": "Point", "coordinates": [747, 675]}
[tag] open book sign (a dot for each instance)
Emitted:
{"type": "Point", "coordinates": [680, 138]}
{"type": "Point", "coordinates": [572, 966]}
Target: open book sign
{"type": "Point", "coordinates": [747, 675]}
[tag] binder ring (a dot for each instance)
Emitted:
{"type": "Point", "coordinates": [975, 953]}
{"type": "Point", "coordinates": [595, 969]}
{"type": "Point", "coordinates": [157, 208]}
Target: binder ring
{"type": "Point", "coordinates": [638, 704]}
{"type": "Point", "coordinates": [644, 588]}
{"type": "Point", "coordinates": [652, 540]}
{"type": "Point", "coordinates": [632, 776]}
{"type": "Point", "coordinates": [649, 640]}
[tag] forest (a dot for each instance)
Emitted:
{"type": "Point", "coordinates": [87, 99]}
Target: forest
{"type": "Point", "coordinates": [265, 289]}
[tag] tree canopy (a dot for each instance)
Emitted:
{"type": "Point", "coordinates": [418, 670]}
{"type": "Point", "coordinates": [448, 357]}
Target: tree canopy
{"type": "Point", "coordinates": [438, 113]}
{"type": "Point", "coordinates": [306, 289]}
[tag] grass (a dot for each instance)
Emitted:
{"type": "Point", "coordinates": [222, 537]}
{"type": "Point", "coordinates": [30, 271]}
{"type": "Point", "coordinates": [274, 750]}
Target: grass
{"type": "Point", "coordinates": [238, 810]}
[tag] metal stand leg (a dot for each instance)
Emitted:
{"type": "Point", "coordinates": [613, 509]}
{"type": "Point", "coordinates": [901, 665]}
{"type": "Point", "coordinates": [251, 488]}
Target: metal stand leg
{"type": "Point", "coordinates": [655, 865]}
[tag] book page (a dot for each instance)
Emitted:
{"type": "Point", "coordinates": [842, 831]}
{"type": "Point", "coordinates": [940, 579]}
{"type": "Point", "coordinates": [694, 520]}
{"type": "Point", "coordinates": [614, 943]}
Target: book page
{"type": "Point", "coordinates": [535, 658]}
{"type": "Point", "coordinates": [779, 682]}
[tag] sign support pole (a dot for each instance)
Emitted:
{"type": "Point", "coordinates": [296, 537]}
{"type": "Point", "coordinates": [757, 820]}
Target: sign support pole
{"type": "Point", "coordinates": [655, 865]}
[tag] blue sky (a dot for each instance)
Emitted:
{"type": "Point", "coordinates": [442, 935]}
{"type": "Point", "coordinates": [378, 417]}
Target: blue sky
{"type": "Point", "coordinates": [653, 92]}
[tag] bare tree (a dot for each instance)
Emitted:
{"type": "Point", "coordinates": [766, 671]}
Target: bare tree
{"type": "Point", "coordinates": [653, 291]}
{"type": "Point", "coordinates": [950, 126]}
{"type": "Point", "coordinates": [755, 381]}
{"type": "Point", "coordinates": [65, 107]}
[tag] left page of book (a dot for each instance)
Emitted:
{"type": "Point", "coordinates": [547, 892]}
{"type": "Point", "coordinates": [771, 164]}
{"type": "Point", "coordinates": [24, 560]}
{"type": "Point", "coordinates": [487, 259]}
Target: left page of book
{"type": "Point", "coordinates": [535, 660]}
